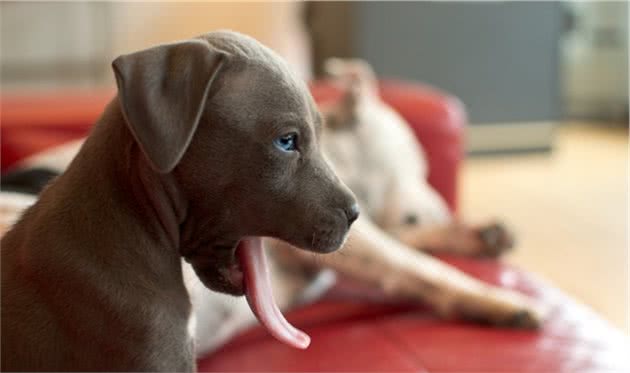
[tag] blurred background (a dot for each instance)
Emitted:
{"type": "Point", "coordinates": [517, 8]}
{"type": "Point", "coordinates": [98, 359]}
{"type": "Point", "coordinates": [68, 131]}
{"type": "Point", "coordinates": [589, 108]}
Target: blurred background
{"type": "Point", "coordinates": [545, 85]}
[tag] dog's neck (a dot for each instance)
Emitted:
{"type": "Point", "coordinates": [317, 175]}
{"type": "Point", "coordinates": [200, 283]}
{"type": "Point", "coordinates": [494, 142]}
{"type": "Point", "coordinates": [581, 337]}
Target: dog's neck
{"type": "Point", "coordinates": [121, 172]}
{"type": "Point", "coordinates": [159, 197]}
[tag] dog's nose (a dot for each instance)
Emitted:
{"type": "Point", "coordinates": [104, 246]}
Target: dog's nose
{"type": "Point", "coordinates": [352, 213]}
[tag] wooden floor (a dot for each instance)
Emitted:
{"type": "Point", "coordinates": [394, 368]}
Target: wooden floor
{"type": "Point", "coordinates": [569, 210]}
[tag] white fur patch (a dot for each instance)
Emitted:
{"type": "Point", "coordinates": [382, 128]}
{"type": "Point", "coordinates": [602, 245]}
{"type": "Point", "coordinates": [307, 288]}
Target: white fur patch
{"type": "Point", "coordinates": [325, 280]}
{"type": "Point", "coordinates": [192, 324]}
{"type": "Point", "coordinates": [12, 205]}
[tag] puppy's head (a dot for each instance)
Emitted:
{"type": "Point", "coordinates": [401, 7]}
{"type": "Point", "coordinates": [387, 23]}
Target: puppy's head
{"type": "Point", "coordinates": [411, 203]}
{"type": "Point", "coordinates": [240, 134]}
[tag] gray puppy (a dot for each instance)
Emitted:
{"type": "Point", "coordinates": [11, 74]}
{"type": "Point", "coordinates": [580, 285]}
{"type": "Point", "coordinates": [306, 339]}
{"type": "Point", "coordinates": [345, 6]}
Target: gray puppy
{"type": "Point", "coordinates": [215, 143]}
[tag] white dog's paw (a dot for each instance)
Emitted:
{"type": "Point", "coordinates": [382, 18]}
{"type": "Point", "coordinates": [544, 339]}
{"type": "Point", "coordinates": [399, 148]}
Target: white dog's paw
{"type": "Point", "coordinates": [495, 239]}
{"type": "Point", "coordinates": [501, 308]}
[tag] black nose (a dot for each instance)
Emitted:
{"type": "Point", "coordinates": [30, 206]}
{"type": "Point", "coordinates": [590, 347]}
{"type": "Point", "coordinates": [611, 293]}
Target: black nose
{"type": "Point", "coordinates": [352, 213]}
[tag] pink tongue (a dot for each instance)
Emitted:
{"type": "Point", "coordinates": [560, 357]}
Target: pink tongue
{"type": "Point", "coordinates": [258, 292]}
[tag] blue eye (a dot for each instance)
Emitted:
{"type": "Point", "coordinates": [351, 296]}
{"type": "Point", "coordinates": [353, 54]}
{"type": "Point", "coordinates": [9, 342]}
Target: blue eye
{"type": "Point", "coordinates": [286, 143]}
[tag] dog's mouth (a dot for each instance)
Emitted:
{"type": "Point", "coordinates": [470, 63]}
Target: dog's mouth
{"type": "Point", "coordinates": [242, 270]}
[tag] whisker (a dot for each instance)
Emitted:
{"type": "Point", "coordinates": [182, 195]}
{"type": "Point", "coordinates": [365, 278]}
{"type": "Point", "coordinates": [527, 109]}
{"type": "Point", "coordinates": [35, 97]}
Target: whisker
{"type": "Point", "coordinates": [317, 260]}
{"type": "Point", "coordinates": [341, 252]}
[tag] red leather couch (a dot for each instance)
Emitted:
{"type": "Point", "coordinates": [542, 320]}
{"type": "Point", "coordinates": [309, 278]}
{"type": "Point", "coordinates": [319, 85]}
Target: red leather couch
{"type": "Point", "coordinates": [354, 328]}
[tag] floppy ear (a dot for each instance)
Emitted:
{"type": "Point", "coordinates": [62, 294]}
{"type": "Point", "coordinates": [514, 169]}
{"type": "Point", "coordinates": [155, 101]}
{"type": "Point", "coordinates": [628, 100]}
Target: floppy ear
{"type": "Point", "coordinates": [162, 92]}
{"type": "Point", "coordinates": [344, 112]}
{"type": "Point", "coordinates": [355, 72]}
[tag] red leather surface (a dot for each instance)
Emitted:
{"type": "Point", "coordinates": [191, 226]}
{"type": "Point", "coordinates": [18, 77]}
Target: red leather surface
{"type": "Point", "coordinates": [33, 122]}
{"type": "Point", "coordinates": [352, 333]}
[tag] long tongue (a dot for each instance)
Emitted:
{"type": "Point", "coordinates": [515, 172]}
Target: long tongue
{"type": "Point", "coordinates": [259, 296]}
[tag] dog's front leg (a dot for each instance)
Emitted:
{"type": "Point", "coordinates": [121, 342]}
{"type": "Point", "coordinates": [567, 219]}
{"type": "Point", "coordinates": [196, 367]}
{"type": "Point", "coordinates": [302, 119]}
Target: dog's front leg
{"type": "Point", "coordinates": [373, 256]}
{"type": "Point", "coordinates": [457, 237]}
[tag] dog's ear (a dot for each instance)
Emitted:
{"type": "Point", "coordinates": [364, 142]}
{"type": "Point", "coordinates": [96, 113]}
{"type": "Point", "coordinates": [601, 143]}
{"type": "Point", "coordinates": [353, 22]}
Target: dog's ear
{"type": "Point", "coordinates": [355, 72]}
{"type": "Point", "coordinates": [162, 92]}
{"type": "Point", "coordinates": [343, 113]}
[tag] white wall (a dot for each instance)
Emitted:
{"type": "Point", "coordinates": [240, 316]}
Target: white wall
{"type": "Point", "coordinates": [59, 43]}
